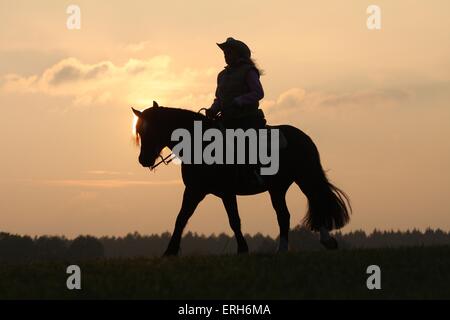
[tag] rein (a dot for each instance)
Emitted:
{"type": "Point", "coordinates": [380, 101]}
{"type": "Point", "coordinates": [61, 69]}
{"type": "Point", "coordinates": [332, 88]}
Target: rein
{"type": "Point", "coordinates": [164, 160]}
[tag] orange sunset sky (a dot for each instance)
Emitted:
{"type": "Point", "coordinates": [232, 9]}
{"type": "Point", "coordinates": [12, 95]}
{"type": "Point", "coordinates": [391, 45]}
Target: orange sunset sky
{"type": "Point", "coordinates": [376, 102]}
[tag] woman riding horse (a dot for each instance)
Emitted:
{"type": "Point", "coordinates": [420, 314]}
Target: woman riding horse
{"type": "Point", "coordinates": [237, 106]}
{"type": "Point", "coordinates": [237, 99]}
{"type": "Point", "coordinates": [238, 89]}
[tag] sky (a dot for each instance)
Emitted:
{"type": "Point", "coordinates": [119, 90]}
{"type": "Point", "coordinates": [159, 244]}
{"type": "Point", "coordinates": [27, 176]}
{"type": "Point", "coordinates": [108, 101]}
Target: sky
{"type": "Point", "coordinates": [376, 103]}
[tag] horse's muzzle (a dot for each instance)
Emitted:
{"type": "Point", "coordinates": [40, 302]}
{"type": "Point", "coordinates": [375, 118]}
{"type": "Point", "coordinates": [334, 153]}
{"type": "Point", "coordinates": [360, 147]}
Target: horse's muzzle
{"type": "Point", "coordinates": [145, 161]}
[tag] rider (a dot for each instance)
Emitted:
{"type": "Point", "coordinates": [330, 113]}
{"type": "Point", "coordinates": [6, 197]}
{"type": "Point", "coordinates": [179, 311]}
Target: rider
{"type": "Point", "coordinates": [237, 97]}
{"type": "Point", "coordinates": [238, 89]}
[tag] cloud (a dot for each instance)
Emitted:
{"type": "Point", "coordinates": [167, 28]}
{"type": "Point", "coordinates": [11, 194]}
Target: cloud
{"type": "Point", "coordinates": [291, 98]}
{"type": "Point", "coordinates": [297, 100]}
{"type": "Point", "coordinates": [363, 98]}
{"type": "Point", "coordinates": [66, 74]}
{"type": "Point", "coordinates": [136, 82]}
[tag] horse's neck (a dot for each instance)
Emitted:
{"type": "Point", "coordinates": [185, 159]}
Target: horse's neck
{"type": "Point", "coordinates": [180, 119]}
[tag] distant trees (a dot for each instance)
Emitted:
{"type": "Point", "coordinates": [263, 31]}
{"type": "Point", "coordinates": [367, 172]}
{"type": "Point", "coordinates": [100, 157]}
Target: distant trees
{"type": "Point", "coordinates": [50, 248]}
{"type": "Point", "coordinates": [16, 248]}
{"type": "Point", "coordinates": [85, 247]}
{"type": "Point", "coordinates": [376, 239]}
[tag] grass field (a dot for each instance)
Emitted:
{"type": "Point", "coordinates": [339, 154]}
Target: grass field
{"type": "Point", "coordinates": [412, 273]}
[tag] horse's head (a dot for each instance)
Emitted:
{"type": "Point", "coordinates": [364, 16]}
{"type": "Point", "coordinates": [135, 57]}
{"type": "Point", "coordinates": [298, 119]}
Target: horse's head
{"type": "Point", "coordinates": [148, 133]}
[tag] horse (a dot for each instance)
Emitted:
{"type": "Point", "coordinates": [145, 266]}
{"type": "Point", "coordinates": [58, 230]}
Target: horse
{"type": "Point", "coordinates": [299, 162]}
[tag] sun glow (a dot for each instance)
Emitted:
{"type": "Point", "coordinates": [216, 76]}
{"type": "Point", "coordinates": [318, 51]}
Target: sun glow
{"type": "Point", "coordinates": [133, 128]}
{"type": "Point", "coordinates": [134, 133]}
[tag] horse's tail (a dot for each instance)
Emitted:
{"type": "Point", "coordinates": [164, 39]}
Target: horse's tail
{"type": "Point", "coordinates": [328, 206]}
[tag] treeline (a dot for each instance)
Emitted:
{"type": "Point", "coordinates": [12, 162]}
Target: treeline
{"type": "Point", "coordinates": [16, 248]}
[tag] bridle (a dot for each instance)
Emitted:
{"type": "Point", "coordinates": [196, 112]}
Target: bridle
{"type": "Point", "coordinates": [165, 160]}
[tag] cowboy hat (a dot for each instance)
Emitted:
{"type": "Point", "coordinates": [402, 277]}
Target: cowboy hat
{"type": "Point", "coordinates": [240, 47]}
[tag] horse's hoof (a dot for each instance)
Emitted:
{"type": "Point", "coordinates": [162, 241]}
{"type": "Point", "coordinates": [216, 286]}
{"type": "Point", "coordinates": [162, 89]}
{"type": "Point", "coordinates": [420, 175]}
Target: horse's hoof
{"type": "Point", "coordinates": [170, 253]}
{"type": "Point", "coordinates": [283, 249]}
{"type": "Point", "coordinates": [283, 246]}
{"type": "Point", "coordinates": [243, 250]}
{"type": "Point", "coordinates": [330, 243]}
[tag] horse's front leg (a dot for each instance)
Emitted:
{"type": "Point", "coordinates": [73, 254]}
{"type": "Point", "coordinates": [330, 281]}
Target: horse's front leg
{"type": "Point", "coordinates": [191, 198]}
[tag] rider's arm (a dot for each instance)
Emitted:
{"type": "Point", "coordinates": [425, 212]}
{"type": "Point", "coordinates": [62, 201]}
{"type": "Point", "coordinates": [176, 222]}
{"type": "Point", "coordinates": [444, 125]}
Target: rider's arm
{"type": "Point", "coordinates": [215, 107]}
{"type": "Point", "coordinates": [256, 92]}
{"type": "Point", "coordinates": [217, 104]}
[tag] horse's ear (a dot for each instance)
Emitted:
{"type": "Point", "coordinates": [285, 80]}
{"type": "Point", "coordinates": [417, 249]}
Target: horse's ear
{"type": "Point", "coordinates": [155, 104]}
{"type": "Point", "coordinates": [137, 112]}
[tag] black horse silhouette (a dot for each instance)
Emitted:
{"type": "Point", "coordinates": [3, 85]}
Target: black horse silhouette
{"type": "Point", "coordinates": [299, 162]}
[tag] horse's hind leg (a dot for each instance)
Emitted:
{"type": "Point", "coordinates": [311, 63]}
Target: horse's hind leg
{"type": "Point", "coordinates": [230, 204]}
{"type": "Point", "coordinates": [278, 198]}
{"type": "Point", "coordinates": [315, 202]}
{"type": "Point", "coordinates": [191, 199]}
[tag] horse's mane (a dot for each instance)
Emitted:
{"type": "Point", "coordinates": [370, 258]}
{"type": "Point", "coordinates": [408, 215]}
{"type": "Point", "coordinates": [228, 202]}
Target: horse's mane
{"type": "Point", "coordinates": [167, 117]}
{"type": "Point", "coordinates": [184, 112]}
{"type": "Point", "coordinates": [174, 115]}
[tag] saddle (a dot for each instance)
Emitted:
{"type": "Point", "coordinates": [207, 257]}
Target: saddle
{"type": "Point", "coordinates": [256, 121]}
{"type": "Point", "coordinates": [247, 177]}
